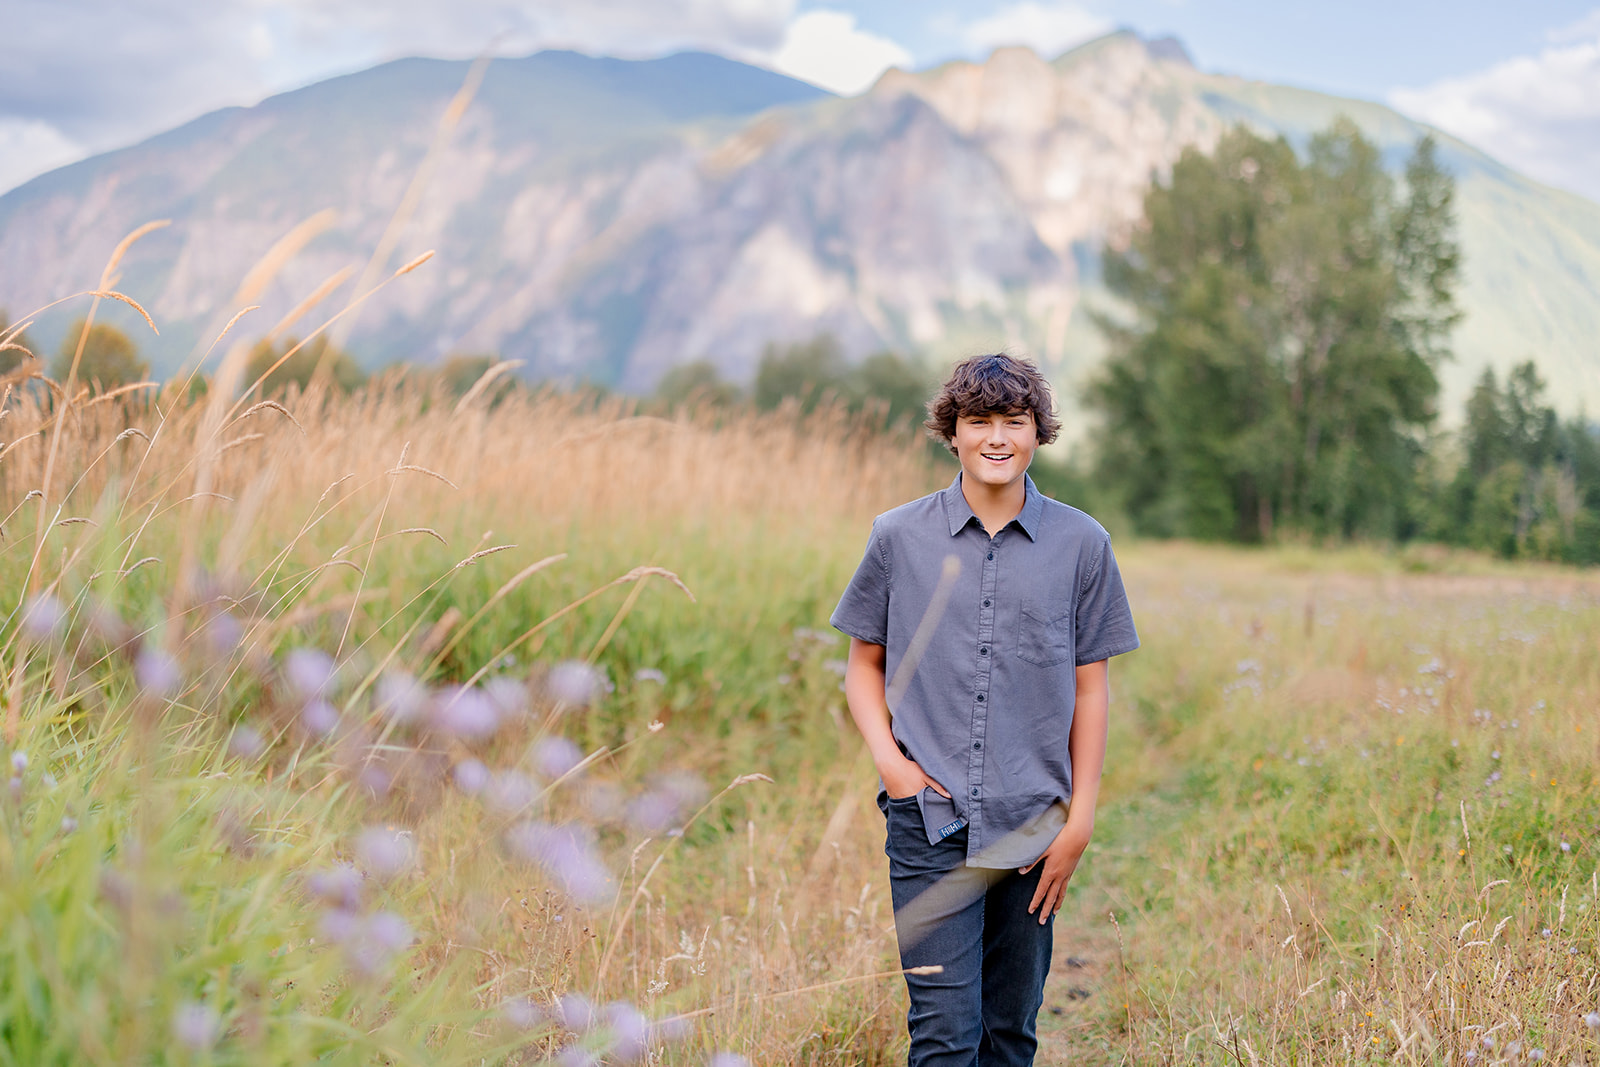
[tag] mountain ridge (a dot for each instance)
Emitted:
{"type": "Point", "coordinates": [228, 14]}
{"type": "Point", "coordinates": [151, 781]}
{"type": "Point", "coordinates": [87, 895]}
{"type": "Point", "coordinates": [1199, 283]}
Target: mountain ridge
{"type": "Point", "coordinates": [607, 219]}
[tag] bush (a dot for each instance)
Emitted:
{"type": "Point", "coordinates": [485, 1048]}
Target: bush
{"type": "Point", "coordinates": [11, 358]}
{"type": "Point", "coordinates": [299, 368]}
{"type": "Point", "coordinates": [110, 358]}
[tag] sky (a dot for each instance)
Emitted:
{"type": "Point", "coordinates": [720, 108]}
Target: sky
{"type": "Point", "coordinates": [1518, 80]}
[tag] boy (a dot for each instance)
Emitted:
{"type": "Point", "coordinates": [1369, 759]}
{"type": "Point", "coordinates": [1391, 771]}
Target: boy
{"type": "Point", "coordinates": [980, 623]}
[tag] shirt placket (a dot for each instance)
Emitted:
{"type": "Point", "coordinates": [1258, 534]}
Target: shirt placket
{"type": "Point", "coordinates": [980, 695]}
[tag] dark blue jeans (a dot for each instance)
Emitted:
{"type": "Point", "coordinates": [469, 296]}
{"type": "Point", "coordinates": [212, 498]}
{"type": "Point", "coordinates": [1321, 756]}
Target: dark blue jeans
{"type": "Point", "coordinates": [974, 923]}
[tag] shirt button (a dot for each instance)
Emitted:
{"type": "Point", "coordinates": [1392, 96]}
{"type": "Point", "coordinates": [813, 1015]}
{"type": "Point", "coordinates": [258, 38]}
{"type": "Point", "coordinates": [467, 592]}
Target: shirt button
{"type": "Point", "coordinates": [991, 555]}
{"type": "Point", "coordinates": [984, 650]}
{"type": "Point", "coordinates": [985, 603]}
{"type": "Point", "coordinates": [980, 698]}
{"type": "Point", "coordinates": [974, 790]}
{"type": "Point", "coordinates": [977, 744]}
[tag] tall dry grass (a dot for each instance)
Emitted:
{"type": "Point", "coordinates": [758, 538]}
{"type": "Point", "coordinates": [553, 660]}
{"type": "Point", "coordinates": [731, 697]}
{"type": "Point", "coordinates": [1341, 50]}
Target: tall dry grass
{"type": "Point", "coordinates": [407, 534]}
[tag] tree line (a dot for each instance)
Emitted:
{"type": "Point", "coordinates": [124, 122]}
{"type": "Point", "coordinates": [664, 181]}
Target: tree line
{"type": "Point", "coordinates": [1274, 365]}
{"type": "Point", "coordinates": [889, 386]}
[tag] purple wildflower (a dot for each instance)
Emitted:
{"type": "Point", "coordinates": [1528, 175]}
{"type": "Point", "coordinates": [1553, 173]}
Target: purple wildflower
{"type": "Point", "coordinates": [574, 1056]}
{"type": "Point", "coordinates": [604, 800]}
{"type": "Point", "coordinates": [400, 697]}
{"type": "Point", "coordinates": [196, 1026]}
{"type": "Point", "coordinates": [310, 673]}
{"type": "Point", "coordinates": [19, 761]}
{"type": "Point", "coordinates": [508, 792]}
{"type": "Point", "coordinates": [43, 617]}
{"type": "Point", "coordinates": [729, 1059]}
{"type": "Point", "coordinates": [663, 806]}
{"type": "Point", "coordinates": [576, 1013]}
{"type": "Point", "coordinates": [522, 1012]}
{"type": "Point", "coordinates": [319, 718]}
{"type": "Point", "coordinates": [508, 695]}
{"type": "Point", "coordinates": [384, 853]}
{"type": "Point", "coordinates": [567, 854]}
{"type": "Point", "coordinates": [465, 713]}
{"type": "Point", "coordinates": [630, 1031]}
{"type": "Point", "coordinates": [376, 781]}
{"type": "Point", "coordinates": [339, 925]}
{"type": "Point", "coordinates": [158, 673]}
{"type": "Point", "coordinates": [555, 756]}
{"type": "Point", "coordinates": [375, 943]}
{"type": "Point", "coordinates": [470, 776]}
{"type": "Point", "coordinates": [339, 884]}
{"type": "Point", "coordinates": [223, 633]}
{"type": "Point", "coordinates": [246, 741]}
{"type": "Point", "coordinates": [574, 682]}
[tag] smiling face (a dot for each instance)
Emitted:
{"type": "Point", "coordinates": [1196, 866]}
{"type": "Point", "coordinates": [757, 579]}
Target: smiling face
{"type": "Point", "coordinates": [996, 448]}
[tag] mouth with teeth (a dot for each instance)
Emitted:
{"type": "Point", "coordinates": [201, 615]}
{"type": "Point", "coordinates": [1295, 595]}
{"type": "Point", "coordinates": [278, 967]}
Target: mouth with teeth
{"type": "Point", "coordinates": [995, 457]}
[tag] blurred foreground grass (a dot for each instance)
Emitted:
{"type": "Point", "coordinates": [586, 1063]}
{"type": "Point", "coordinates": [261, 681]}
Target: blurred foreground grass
{"type": "Point", "coordinates": [1350, 814]}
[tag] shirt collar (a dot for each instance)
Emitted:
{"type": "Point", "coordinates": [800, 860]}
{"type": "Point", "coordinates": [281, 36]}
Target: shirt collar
{"type": "Point", "coordinates": [959, 512]}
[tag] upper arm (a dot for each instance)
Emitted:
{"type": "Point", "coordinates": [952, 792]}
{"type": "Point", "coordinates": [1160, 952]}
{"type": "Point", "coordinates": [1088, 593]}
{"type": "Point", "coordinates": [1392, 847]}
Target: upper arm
{"type": "Point", "coordinates": [1094, 679]}
{"type": "Point", "coordinates": [866, 655]}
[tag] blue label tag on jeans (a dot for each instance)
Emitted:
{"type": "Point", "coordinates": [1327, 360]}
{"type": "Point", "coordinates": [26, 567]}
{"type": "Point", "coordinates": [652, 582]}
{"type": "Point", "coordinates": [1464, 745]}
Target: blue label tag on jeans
{"type": "Point", "coordinates": [946, 831]}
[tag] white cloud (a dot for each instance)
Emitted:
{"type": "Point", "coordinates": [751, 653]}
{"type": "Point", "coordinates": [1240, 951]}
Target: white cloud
{"type": "Point", "coordinates": [1539, 114]}
{"type": "Point", "coordinates": [825, 48]}
{"type": "Point", "coordinates": [29, 147]}
{"type": "Point", "coordinates": [1049, 29]}
{"type": "Point", "coordinates": [104, 73]}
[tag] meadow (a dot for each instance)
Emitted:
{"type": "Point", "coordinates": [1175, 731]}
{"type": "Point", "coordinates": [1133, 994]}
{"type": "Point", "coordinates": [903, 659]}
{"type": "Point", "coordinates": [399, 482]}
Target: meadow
{"type": "Point", "coordinates": [399, 728]}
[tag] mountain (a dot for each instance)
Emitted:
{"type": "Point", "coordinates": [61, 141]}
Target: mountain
{"type": "Point", "coordinates": [606, 219]}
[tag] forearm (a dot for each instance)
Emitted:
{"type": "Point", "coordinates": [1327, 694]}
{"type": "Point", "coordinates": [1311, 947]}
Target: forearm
{"type": "Point", "coordinates": [1087, 742]}
{"type": "Point", "coordinates": [865, 693]}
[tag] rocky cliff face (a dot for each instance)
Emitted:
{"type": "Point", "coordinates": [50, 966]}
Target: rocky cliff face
{"type": "Point", "coordinates": [606, 220]}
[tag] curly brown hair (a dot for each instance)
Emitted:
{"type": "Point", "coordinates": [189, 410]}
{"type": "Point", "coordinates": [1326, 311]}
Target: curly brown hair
{"type": "Point", "coordinates": [984, 385]}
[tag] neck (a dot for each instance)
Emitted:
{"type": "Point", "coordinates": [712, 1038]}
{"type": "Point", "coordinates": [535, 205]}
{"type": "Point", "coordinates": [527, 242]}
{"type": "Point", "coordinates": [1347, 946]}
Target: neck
{"type": "Point", "coordinates": [995, 505]}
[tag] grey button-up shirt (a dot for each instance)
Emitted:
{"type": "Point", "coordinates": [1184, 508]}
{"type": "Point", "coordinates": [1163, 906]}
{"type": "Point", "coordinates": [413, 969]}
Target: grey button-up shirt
{"type": "Point", "coordinates": [987, 710]}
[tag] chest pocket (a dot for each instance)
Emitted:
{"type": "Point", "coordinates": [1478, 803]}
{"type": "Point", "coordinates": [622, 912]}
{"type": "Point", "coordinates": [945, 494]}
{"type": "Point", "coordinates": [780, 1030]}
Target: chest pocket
{"type": "Point", "coordinates": [1043, 640]}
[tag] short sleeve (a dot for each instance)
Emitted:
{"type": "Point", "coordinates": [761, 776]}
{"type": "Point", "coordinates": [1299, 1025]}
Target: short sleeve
{"type": "Point", "coordinates": [1104, 621]}
{"type": "Point", "coordinates": [863, 610]}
